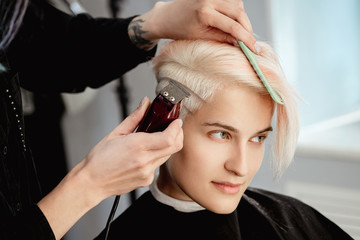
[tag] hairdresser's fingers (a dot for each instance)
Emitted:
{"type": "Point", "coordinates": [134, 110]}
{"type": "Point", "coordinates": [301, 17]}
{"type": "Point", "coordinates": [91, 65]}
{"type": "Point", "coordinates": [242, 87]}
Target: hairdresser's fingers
{"type": "Point", "coordinates": [130, 123]}
{"type": "Point", "coordinates": [232, 27]}
{"type": "Point", "coordinates": [237, 2]}
{"type": "Point", "coordinates": [241, 3]}
{"type": "Point", "coordinates": [163, 155]}
{"type": "Point", "coordinates": [235, 11]}
{"type": "Point", "coordinates": [162, 140]}
{"type": "Point", "coordinates": [174, 141]}
{"type": "Point", "coordinates": [220, 36]}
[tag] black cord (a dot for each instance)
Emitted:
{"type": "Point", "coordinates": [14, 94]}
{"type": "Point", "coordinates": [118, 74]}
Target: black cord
{"type": "Point", "coordinates": [115, 7]}
{"type": "Point", "coordinates": [111, 216]}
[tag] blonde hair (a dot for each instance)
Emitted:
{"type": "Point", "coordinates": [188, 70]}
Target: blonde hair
{"type": "Point", "coordinates": [204, 66]}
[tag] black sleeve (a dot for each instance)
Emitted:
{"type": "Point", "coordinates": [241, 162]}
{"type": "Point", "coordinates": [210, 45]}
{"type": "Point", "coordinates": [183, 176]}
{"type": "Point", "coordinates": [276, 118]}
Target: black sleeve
{"type": "Point", "coordinates": [31, 224]}
{"type": "Point", "coordinates": [56, 52]}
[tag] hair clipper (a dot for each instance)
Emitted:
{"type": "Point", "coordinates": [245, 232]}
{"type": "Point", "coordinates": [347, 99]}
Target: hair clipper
{"type": "Point", "coordinates": [164, 109]}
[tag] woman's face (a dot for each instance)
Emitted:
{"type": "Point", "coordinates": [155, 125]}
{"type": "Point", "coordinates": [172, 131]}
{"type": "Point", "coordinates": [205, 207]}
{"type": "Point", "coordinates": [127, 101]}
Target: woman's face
{"type": "Point", "coordinates": [223, 149]}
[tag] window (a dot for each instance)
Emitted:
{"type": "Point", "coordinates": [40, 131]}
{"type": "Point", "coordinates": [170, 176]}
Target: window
{"type": "Point", "coordinates": [318, 43]}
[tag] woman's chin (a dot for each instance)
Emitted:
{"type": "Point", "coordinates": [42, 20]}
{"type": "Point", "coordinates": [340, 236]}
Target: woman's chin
{"type": "Point", "coordinates": [222, 207]}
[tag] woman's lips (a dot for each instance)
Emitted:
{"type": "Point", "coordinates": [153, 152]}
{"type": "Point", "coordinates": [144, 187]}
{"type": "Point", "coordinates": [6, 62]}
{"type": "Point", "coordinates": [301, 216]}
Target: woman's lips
{"type": "Point", "coordinates": [227, 187]}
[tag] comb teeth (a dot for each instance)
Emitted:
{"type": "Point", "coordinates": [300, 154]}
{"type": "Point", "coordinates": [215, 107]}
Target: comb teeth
{"type": "Point", "coordinates": [252, 59]}
{"type": "Point", "coordinates": [174, 92]}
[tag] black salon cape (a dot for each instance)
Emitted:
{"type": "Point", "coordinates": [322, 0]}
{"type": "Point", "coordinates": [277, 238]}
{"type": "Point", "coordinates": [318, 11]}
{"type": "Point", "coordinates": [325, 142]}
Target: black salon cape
{"type": "Point", "coordinates": [260, 215]}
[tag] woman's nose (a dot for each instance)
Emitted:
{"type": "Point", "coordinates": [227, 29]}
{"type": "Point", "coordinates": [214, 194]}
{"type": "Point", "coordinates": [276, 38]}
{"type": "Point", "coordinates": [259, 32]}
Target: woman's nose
{"type": "Point", "coordinates": [237, 162]}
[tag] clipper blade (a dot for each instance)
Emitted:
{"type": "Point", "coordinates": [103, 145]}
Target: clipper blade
{"type": "Point", "coordinates": [173, 91]}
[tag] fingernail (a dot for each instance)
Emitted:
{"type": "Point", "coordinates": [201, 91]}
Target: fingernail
{"type": "Point", "coordinates": [180, 122]}
{"type": "Point", "coordinates": [142, 101]}
{"type": "Point", "coordinates": [257, 47]}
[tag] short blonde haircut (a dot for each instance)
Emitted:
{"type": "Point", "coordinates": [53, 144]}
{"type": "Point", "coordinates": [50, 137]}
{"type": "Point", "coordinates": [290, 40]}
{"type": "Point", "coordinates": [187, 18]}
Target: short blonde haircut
{"type": "Point", "coordinates": [204, 66]}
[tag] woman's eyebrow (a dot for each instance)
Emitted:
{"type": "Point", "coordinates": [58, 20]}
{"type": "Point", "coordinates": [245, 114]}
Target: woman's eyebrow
{"type": "Point", "coordinates": [230, 128]}
{"type": "Point", "coordinates": [268, 129]}
{"type": "Point", "coordinates": [217, 124]}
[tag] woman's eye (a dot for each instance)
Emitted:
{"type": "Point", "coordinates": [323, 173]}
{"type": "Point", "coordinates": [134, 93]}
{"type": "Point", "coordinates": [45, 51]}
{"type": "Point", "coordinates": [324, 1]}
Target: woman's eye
{"type": "Point", "coordinates": [258, 139]}
{"type": "Point", "coordinates": [220, 135]}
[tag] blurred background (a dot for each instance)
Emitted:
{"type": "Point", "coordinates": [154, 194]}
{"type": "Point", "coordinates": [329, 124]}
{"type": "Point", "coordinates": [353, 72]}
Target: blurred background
{"type": "Point", "coordinates": [318, 43]}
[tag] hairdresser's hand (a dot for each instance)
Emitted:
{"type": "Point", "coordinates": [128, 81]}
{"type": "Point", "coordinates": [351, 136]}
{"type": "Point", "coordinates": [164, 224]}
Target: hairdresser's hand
{"type": "Point", "coordinates": [124, 160]}
{"type": "Point", "coordinates": [220, 20]}
{"type": "Point", "coordinates": [119, 163]}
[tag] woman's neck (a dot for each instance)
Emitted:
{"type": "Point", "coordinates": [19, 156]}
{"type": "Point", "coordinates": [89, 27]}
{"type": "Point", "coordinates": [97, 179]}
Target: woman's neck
{"type": "Point", "coordinates": [179, 204]}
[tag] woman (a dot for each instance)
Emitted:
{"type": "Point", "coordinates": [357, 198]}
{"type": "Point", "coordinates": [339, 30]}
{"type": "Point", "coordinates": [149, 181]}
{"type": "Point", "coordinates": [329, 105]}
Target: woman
{"type": "Point", "coordinates": [202, 190]}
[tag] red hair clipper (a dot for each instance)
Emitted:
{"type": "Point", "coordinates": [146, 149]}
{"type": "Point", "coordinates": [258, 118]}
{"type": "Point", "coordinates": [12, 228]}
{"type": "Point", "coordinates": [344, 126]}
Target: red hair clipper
{"type": "Point", "coordinates": [164, 109]}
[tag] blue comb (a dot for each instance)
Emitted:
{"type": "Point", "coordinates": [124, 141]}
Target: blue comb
{"type": "Point", "coordinates": [252, 59]}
